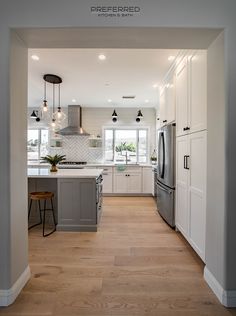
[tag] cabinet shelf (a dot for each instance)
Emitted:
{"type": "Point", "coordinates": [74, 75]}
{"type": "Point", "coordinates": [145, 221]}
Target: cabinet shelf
{"type": "Point", "coordinates": [95, 142]}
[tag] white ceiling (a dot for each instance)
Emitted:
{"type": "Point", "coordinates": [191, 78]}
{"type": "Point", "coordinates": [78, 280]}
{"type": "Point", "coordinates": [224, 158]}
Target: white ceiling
{"type": "Point", "coordinates": [92, 82]}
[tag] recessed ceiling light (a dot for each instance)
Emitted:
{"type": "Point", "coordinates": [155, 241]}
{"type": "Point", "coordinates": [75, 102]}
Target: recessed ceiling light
{"type": "Point", "coordinates": [155, 85]}
{"type": "Point", "coordinates": [73, 100]}
{"type": "Point", "coordinates": [109, 100]}
{"type": "Point", "coordinates": [146, 101]}
{"type": "Point", "coordinates": [35, 57]}
{"type": "Point", "coordinates": [102, 57]}
{"type": "Point", "coordinates": [171, 57]}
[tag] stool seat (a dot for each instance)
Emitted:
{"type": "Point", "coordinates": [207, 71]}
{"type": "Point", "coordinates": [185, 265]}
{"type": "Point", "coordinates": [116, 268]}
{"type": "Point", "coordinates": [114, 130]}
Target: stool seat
{"type": "Point", "coordinates": [38, 197]}
{"type": "Point", "coordinates": [41, 195]}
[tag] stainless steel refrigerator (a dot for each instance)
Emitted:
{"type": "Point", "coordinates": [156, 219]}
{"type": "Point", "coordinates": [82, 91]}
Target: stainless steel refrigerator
{"type": "Point", "coordinates": [165, 174]}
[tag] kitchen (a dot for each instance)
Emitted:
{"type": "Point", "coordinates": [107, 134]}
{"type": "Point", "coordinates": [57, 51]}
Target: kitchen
{"type": "Point", "coordinates": [127, 171]}
{"type": "Point", "coordinates": [94, 137]}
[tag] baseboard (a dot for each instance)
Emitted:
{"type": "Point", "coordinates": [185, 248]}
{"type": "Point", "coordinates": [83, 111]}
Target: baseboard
{"type": "Point", "coordinates": [227, 298]}
{"type": "Point", "coordinates": [7, 297]}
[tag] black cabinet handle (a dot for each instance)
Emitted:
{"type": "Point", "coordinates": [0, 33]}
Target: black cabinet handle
{"type": "Point", "coordinates": [164, 121]}
{"type": "Point", "coordinates": [187, 162]}
{"type": "Point", "coordinates": [186, 128]}
{"type": "Point", "coordinates": [158, 119]}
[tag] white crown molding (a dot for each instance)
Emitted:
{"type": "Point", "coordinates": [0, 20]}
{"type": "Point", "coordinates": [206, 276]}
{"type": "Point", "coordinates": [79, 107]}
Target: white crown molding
{"type": "Point", "coordinates": [227, 298]}
{"type": "Point", "coordinates": [7, 297]}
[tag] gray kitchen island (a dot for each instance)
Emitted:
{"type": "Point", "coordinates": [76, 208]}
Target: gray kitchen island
{"type": "Point", "coordinates": [78, 196]}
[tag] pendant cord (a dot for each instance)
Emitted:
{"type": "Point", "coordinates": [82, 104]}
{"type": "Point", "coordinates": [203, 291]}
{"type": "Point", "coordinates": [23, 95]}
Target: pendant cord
{"type": "Point", "coordinates": [59, 96]}
{"type": "Point", "coordinates": [53, 98]}
{"type": "Point", "coordinates": [44, 90]}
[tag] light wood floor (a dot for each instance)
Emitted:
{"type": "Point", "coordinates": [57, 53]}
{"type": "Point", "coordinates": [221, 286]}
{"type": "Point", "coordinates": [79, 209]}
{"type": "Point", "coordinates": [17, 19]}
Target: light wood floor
{"type": "Point", "coordinates": [134, 265]}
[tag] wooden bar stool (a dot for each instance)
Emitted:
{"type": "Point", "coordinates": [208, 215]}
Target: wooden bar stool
{"type": "Point", "coordinates": [42, 196]}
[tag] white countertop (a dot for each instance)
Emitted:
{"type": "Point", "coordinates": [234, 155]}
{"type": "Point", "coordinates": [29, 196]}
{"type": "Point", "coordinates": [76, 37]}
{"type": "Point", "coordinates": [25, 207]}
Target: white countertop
{"type": "Point", "coordinates": [46, 165]}
{"type": "Point", "coordinates": [64, 173]}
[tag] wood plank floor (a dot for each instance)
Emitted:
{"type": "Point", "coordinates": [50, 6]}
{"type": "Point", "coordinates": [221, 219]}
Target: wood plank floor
{"type": "Point", "coordinates": [135, 265]}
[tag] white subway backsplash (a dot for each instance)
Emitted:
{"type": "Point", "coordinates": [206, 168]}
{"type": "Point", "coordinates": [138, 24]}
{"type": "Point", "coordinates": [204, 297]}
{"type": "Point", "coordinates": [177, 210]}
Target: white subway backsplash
{"type": "Point", "coordinates": [76, 148]}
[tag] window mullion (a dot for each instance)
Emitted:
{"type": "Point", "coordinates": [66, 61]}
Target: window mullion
{"type": "Point", "coordinates": [39, 142]}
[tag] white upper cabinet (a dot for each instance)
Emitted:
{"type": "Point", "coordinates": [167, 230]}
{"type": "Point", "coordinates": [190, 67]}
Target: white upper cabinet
{"type": "Point", "coordinates": [198, 91]}
{"type": "Point", "coordinates": [191, 96]}
{"type": "Point", "coordinates": [163, 119]}
{"type": "Point", "coordinates": [167, 101]}
{"type": "Point", "coordinates": [170, 99]}
{"type": "Point", "coordinates": [182, 98]}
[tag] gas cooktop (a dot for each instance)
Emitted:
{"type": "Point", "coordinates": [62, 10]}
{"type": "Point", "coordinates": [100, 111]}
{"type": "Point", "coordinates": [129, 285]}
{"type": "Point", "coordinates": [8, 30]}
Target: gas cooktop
{"type": "Point", "coordinates": [72, 164]}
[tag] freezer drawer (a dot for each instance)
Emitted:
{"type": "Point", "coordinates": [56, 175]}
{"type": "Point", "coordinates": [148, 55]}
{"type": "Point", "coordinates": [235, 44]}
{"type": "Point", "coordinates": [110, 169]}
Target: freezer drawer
{"type": "Point", "coordinates": [165, 203]}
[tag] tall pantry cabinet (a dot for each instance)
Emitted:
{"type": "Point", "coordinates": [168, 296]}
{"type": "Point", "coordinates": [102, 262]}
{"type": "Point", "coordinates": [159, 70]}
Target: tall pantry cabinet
{"type": "Point", "coordinates": [191, 149]}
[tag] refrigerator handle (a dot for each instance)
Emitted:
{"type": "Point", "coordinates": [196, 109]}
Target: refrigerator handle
{"type": "Point", "coordinates": [163, 155]}
{"type": "Point", "coordinates": [164, 189]}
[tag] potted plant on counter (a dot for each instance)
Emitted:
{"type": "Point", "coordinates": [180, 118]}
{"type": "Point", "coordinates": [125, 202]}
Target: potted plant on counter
{"type": "Point", "coordinates": [53, 160]}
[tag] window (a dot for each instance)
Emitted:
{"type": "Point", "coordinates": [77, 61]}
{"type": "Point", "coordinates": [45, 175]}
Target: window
{"type": "Point", "coordinates": [37, 143]}
{"type": "Point", "coordinates": [124, 144]}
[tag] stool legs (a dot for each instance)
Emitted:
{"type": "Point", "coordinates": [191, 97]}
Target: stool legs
{"type": "Point", "coordinates": [53, 216]}
{"type": "Point", "coordinates": [30, 206]}
{"type": "Point", "coordinates": [42, 220]}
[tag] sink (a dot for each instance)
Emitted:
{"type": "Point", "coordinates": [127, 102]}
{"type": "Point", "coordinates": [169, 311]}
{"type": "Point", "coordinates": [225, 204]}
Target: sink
{"type": "Point", "coordinates": [128, 164]}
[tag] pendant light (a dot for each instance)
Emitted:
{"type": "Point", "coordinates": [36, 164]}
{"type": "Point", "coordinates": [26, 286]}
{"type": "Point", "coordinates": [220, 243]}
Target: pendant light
{"type": "Point", "coordinates": [114, 116]}
{"type": "Point", "coordinates": [139, 116]}
{"type": "Point", "coordinates": [45, 106]}
{"type": "Point", "coordinates": [35, 115]}
{"type": "Point", "coordinates": [57, 116]}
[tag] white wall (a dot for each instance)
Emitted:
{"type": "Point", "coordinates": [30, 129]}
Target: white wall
{"type": "Point", "coordinates": [155, 13]}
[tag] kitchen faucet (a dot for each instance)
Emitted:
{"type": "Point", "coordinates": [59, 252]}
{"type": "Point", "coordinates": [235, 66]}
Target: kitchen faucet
{"type": "Point", "coordinates": [126, 157]}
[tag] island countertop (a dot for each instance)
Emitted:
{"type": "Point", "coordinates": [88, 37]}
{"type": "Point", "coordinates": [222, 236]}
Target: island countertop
{"type": "Point", "coordinates": [63, 173]}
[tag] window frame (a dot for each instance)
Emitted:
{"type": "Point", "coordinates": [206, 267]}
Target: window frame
{"type": "Point", "coordinates": [137, 129]}
{"type": "Point", "coordinates": [40, 129]}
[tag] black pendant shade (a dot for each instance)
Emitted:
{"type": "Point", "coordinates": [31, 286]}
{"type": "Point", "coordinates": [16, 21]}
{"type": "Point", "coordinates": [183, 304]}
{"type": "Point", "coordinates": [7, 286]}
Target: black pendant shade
{"type": "Point", "coordinates": [34, 114]}
{"type": "Point", "coordinates": [114, 116]}
{"type": "Point", "coordinates": [139, 116]}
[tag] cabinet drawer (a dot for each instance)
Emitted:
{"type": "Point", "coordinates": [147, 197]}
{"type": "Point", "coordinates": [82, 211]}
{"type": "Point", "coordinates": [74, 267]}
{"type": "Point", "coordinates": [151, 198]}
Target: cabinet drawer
{"type": "Point", "coordinates": [105, 169]}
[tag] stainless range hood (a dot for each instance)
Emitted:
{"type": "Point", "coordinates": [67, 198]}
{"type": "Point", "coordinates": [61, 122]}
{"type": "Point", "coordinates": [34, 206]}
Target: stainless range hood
{"type": "Point", "coordinates": [74, 122]}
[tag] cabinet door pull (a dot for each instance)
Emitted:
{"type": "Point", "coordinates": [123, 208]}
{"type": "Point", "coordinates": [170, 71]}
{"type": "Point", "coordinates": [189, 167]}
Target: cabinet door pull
{"type": "Point", "coordinates": [187, 162]}
{"type": "Point", "coordinates": [164, 121]}
{"type": "Point", "coordinates": [187, 128]}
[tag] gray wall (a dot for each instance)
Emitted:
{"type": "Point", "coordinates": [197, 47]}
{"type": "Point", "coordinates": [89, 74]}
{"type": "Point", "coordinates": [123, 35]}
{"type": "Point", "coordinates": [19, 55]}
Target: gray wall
{"type": "Point", "coordinates": [158, 13]}
{"type": "Point", "coordinates": [216, 120]}
{"type": "Point", "coordinates": [18, 156]}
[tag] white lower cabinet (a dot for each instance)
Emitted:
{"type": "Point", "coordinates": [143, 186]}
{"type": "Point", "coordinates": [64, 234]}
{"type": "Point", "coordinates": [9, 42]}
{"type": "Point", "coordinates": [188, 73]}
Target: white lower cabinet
{"type": "Point", "coordinates": [107, 176]}
{"type": "Point", "coordinates": [191, 158]}
{"type": "Point", "coordinates": [148, 180]}
{"type": "Point", "coordinates": [128, 180]}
